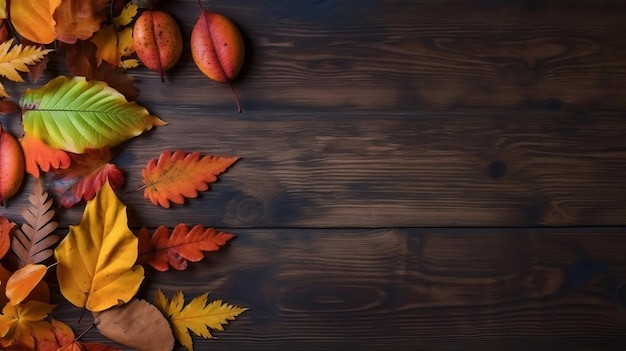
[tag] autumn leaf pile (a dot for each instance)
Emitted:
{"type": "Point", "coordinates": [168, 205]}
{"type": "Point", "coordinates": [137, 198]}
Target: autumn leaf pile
{"type": "Point", "coordinates": [73, 125]}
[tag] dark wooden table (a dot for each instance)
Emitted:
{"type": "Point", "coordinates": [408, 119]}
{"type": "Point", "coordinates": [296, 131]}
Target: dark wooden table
{"type": "Point", "coordinates": [415, 175]}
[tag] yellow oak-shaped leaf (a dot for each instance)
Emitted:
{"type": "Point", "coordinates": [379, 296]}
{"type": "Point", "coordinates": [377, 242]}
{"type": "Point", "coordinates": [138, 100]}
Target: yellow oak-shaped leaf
{"type": "Point", "coordinates": [96, 260]}
{"type": "Point", "coordinates": [23, 281]}
{"type": "Point", "coordinates": [33, 19]}
{"type": "Point", "coordinates": [24, 323]}
{"type": "Point", "coordinates": [16, 58]}
{"type": "Point", "coordinates": [198, 316]}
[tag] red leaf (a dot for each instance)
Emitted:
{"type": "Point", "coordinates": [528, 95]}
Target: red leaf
{"type": "Point", "coordinates": [8, 107]}
{"type": "Point", "coordinates": [86, 175]}
{"type": "Point", "coordinates": [163, 250]}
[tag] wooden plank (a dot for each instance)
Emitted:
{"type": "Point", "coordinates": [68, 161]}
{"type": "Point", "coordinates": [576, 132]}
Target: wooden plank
{"type": "Point", "coordinates": [431, 289]}
{"type": "Point", "coordinates": [457, 168]}
{"type": "Point", "coordinates": [414, 55]}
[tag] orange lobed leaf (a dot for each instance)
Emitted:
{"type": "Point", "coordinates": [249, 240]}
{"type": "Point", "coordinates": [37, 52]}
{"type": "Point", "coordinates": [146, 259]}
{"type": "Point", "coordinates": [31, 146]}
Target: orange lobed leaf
{"type": "Point", "coordinates": [39, 155]}
{"type": "Point", "coordinates": [87, 173]}
{"type": "Point", "coordinates": [25, 324]}
{"type": "Point", "coordinates": [174, 177]}
{"type": "Point", "coordinates": [163, 250]}
{"type": "Point", "coordinates": [78, 19]}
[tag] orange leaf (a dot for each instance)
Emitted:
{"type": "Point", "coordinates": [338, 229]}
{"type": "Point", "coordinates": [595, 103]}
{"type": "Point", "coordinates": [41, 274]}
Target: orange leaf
{"type": "Point", "coordinates": [40, 293]}
{"type": "Point", "coordinates": [163, 250]}
{"type": "Point", "coordinates": [23, 281]}
{"type": "Point", "coordinates": [24, 323]}
{"type": "Point", "coordinates": [6, 228]}
{"type": "Point", "coordinates": [38, 155]}
{"type": "Point", "coordinates": [4, 276]}
{"type": "Point", "coordinates": [87, 173]}
{"type": "Point", "coordinates": [78, 19]}
{"type": "Point", "coordinates": [66, 341]}
{"type": "Point", "coordinates": [181, 175]}
{"type": "Point", "coordinates": [33, 19]}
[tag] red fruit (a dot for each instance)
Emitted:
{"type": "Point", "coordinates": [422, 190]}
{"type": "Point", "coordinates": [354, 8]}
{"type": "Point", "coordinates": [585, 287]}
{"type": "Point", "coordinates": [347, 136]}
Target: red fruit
{"type": "Point", "coordinates": [11, 165]}
{"type": "Point", "coordinates": [217, 48]}
{"type": "Point", "coordinates": [158, 41]}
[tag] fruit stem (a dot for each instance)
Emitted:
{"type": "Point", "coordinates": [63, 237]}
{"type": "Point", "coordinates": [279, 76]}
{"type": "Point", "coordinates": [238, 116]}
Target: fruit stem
{"type": "Point", "coordinates": [236, 97]}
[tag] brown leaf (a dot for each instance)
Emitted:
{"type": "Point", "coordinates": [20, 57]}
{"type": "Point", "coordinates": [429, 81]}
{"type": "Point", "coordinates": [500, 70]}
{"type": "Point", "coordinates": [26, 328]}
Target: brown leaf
{"type": "Point", "coordinates": [8, 107]}
{"type": "Point", "coordinates": [137, 324]}
{"type": "Point", "coordinates": [78, 19]}
{"type": "Point", "coordinates": [33, 243]}
{"type": "Point", "coordinates": [80, 59]}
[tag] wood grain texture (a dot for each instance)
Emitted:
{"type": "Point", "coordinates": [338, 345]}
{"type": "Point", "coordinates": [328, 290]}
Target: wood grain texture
{"type": "Point", "coordinates": [415, 175]}
{"type": "Point", "coordinates": [470, 168]}
{"type": "Point", "coordinates": [407, 289]}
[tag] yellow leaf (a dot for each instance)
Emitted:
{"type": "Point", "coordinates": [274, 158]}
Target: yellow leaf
{"type": "Point", "coordinates": [3, 9]}
{"type": "Point", "coordinates": [115, 41]}
{"type": "Point", "coordinates": [33, 19]}
{"type": "Point", "coordinates": [96, 259]}
{"type": "Point", "coordinates": [23, 281]}
{"type": "Point", "coordinates": [197, 316]}
{"type": "Point", "coordinates": [24, 323]}
{"type": "Point", "coordinates": [16, 58]}
{"type": "Point", "coordinates": [108, 47]}
{"type": "Point", "coordinates": [128, 14]}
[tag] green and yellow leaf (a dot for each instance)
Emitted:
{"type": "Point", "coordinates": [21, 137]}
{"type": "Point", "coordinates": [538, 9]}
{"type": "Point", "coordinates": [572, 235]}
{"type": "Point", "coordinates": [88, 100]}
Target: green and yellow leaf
{"type": "Point", "coordinates": [74, 114]}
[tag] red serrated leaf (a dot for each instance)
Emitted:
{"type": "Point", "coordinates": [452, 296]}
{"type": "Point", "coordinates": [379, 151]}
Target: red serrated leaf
{"type": "Point", "coordinates": [181, 175]}
{"type": "Point", "coordinates": [163, 250]}
{"type": "Point", "coordinates": [86, 175]}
